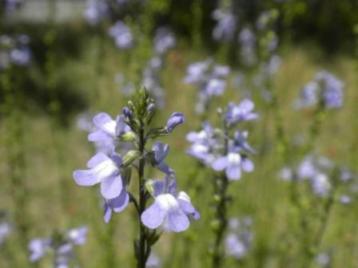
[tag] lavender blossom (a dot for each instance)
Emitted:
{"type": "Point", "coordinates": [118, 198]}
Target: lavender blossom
{"type": "Point", "coordinates": [96, 10]}
{"type": "Point", "coordinates": [107, 132]}
{"type": "Point", "coordinates": [239, 239]}
{"type": "Point", "coordinates": [226, 25]}
{"type": "Point", "coordinates": [5, 231]}
{"type": "Point", "coordinates": [325, 88]}
{"type": "Point", "coordinates": [38, 248]}
{"type": "Point", "coordinates": [164, 40]}
{"type": "Point", "coordinates": [103, 170]}
{"type": "Point", "coordinates": [170, 210]}
{"type": "Point", "coordinates": [122, 35]}
{"type": "Point", "coordinates": [240, 112]}
{"type": "Point", "coordinates": [117, 205]}
{"type": "Point", "coordinates": [247, 42]}
{"type": "Point", "coordinates": [174, 120]}
{"type": "Point", "coordinates": [160, 151]}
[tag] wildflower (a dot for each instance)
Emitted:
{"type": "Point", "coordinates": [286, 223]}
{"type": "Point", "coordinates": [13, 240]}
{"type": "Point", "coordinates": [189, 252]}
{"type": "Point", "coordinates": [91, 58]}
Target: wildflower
{"type": "Point", "coordinates": [122, 35]}
{"type": "Point", "coordinates": [169, 210]}
{"type": "Point", "coordinates": [107, 131]}
{"type": "Point", "coordinates": [160, 151]}
{"type": "Point", "coordinates": [174, 120]}
{"type": "Point", "coordinates": [240, 112]}
{"type": "Point", "coordinates": [164, 40]}
{"type": "Point", "coordinates": [5, 231]}
{"type": "Point", "coordinates": [95, 11]}
{"type": "Point", "coordinates": [104, 170]}
{"type": "Point", "coordinates": [239, 239]}
{"type": "Point", "coordinates": [226, 25]}
{"type": "Point", "coordinates": [116, 204]}
{"type": "Point", "coordinates": [233, 163]}
{"type": "Point", "coordinates": [203, 144]}
{"type": "Point", "coordinates": [38, 248]}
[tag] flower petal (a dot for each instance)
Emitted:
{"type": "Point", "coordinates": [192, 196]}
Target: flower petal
{"type": "Point", "coordinates": [176, 221]}
{"type": "Point", "coordinates": [120, 203]}
{"type": "Point", "coordinates": [111, 187]}
{"type": "Point", "coordinates": [153, 216]}
{"type": "Point", "coordinates": [220, 163]}
{"type": "Point", "coordinates": [233, 172]}
{"type": "Point", "coordinates": [97, 159]}
{"type": "Point", "coordinates": [85, 177]}
{"type": "Point", "coordinates": [247, 165]}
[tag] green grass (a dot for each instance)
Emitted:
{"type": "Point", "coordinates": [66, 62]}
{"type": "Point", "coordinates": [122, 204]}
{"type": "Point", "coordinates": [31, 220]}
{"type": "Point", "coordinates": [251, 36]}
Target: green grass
{"type": "Point", "coordinates": [52, 152]}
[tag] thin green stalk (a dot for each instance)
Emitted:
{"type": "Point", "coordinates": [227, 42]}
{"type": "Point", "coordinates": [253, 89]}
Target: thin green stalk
{"type": "Point", "coordinates": [220, 185]}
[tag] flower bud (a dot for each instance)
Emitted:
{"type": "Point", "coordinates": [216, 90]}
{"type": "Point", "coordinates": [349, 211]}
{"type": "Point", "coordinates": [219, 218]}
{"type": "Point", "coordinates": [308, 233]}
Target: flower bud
{"type": "Point", "coordinates": [174, 120]}
{"type": "Point", "coordinates": [128, 136]}
{"type": "Point", "coordinates": [130, 157]}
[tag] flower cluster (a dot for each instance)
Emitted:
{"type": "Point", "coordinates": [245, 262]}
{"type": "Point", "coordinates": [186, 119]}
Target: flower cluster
{"type": "Point", "coordinates": [120, 147]}
{"type": "Point", "coordinates": [225, 26]}
{"type": "Point", "coordinates": [324, 89]}
{"type": "Point", "coordinates": [320, 172]}
{"type": "Point", "coordinates": [239, 239]}
{"type": "Point", "coordinates": [61, 244]}
{"type": "Point", "coordinates": [14, 51]}
{"type": "Point", "coordinates": [210, 79]}
{"type": "Point", "coordinates": [96, 11]}
{"type": "Point", "coordinates": [122, 35]}
{"type": "Point", "coordinates": [221, 151]}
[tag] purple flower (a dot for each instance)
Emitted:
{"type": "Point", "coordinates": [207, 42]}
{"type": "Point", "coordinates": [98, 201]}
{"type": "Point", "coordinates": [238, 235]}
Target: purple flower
{"type": "Point", "coordinates": [95, 11]}
{"type": "Point", "coordinates": [170, 210]}
{"type": "Point", "coordinates": [233, 163]}
{"type": "Point", "coordinates": [5, 231]}
{"type": "Point", "coordinates": [226, 25]}
{"type": "Point", "coordinates": [117, 204]}
{"type": "Point", "coordinates": [104, 170]}
{"type": "Point", "coordinates": [107, 131]}
{"type": "Point", "coordinates": [78, 236]}
{"type": "Point", "coordinates": [38, 248]}
{"type": "Point", "coordinates": [240, 112]}
{"type": "Point", "coordinates": [160, 151]}
{"type": "Point", "coordinates": [203, 144]}
{"type": "Point", "coordinates": [20, 56]}
{"type": "Point", "coordinates": [240, 143]}
{"type": "Point", "coordinates": [174, 120]}
{"type": "Point", "coordinates": [164, 40]}
{"type": "Point", "coordinates": [247, 41]}
{"type": "Point", "coordinates": [239, 239]}
{"type": "Point", "coordinates": [196, 72]}
{"type": "Point", "coordinates": [215, 87]}
{"type": "Point", "coordinates": [320, 184]}
{"type": "Point", "coordinates": [309, 95]}
{"type": "Point", "coordinates": [122, 35]}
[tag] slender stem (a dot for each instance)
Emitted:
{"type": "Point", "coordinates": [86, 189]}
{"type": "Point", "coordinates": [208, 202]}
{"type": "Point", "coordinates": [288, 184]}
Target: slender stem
{"type": "Point", "coordinates": [142, 245]}
{"type": "Point", "coordinates": [221, 185]}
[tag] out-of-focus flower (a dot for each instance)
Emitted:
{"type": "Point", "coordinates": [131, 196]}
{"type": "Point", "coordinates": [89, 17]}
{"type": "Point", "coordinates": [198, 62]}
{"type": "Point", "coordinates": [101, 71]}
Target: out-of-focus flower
{"type": "Point", "coordinates": [325, 88]}
{"type": "Point", "coordinates": [170, 210]}
{"type": "Point", "coordinates": [239, 239]}
{"type": "Point", "coordinates": [38, 248]}
{"type": "Point", "coordinates": [153, 261]}
{"type": "Point", "coordinates": [240, 112]}
{"type": "Point", "coordinates": [226, 25]}
{"type": "Point", "coordinates": [5, 231]}
{"type": "Point", "coordinates": [174, 120]}
{"type": "Point", "coordinates": [164, 40]}
{"type": "Point", "coordinates": [247, 42]}
{"type": "Point", "coordinates": [122, 35]}
{"type": "Point", "coordinates": [96, 10]}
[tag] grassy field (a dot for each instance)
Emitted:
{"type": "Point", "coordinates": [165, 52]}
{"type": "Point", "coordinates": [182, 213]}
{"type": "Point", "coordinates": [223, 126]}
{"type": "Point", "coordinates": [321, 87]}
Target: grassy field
{"type": "Point", "coordinates": [44, 153]}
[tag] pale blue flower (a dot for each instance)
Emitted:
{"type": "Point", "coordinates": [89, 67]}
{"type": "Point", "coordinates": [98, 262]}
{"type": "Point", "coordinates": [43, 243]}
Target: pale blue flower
{"type": "Point", "coordinates": [160, 151]}
{"type": "Point", "coordinates": [174, 120]}
{"type": "Point", "coordinates": [240, 112]}
{"type": "Point", "coordinates": [122, 35]}
{"type": "Point", "coordinates": [170, 210]}
{"type": "Point", "coordinates": [117, 205]}
{"type": "Point", "coordinates": [103, 170]}
{"type": "Point", "coordinates": [226, 25]}
{"type": "Point", "coordinates": [233, 164]}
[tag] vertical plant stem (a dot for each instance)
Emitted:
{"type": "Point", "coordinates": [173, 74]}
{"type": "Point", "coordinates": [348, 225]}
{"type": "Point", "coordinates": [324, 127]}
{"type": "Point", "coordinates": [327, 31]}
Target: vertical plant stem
{"type": "Point", "coordinates": [221, 185]}
{"type": "Point", "coordinates": [141, 254]}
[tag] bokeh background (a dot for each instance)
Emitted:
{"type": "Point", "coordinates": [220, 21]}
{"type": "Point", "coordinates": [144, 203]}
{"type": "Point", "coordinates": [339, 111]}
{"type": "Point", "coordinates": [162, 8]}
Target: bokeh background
{"type": "Point", "coordinates": [67, 67]}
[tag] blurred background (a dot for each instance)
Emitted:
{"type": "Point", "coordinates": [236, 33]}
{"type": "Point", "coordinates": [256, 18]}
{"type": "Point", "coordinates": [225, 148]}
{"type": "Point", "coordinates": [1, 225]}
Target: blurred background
{"type": "Point", "coordinates": [62, 62]}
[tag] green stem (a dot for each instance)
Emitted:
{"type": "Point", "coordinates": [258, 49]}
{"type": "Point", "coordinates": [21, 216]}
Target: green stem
{"type": "Point", "coordinates": [220, 185]}
{"type": "Point", "coordinates": [143, 246]}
